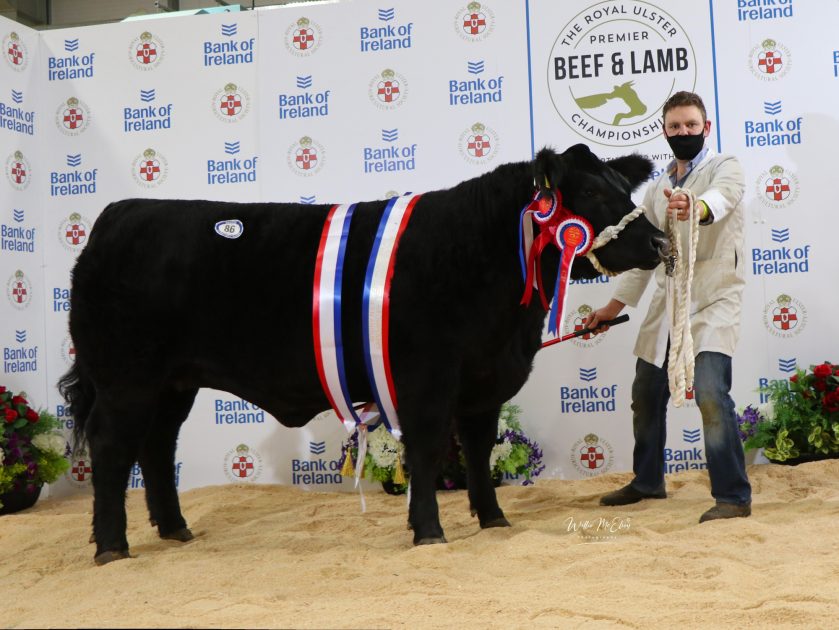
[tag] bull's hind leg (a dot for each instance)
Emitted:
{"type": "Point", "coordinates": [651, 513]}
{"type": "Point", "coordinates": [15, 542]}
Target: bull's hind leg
{"type": "Point", "coordinates": [477, 437]}
{"type": "Point", "coordinates": [157, 459]}
{"type": "Point", "coordinates": [115, 428]}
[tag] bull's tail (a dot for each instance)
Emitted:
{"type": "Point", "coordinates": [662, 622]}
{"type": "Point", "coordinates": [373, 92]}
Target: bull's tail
{"type": "Point", "coordinates": [79, 393]}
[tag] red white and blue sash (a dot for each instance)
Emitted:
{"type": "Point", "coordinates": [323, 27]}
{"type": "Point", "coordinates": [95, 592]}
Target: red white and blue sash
{"type": "Point", "coordinates": [326, 320]}
{"type": "Point", "coordinates": [376, 306]}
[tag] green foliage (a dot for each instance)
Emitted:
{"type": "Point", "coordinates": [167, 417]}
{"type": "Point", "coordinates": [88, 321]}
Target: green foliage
{"type": "Point", "coordinates": [801, 416]}
{"type": "Point", "coordinates": [51, 466]}
{"type": "Point", "coordinates": [8, 474]}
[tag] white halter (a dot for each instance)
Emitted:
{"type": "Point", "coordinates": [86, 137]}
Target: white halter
{"type": "Point", "coordinates": [610, 233]}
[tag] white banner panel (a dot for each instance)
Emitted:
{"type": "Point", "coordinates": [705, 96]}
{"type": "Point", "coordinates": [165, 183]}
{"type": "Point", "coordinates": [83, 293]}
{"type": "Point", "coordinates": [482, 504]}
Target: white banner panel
{"type": "Point", "coordinates": [777, 71]}
{"type": "Point", "coordinates": [22, 307]}
{"type": "Point", "coordinates": [349, 101]}
{"type": "Point", "coordinates": [601, 72]}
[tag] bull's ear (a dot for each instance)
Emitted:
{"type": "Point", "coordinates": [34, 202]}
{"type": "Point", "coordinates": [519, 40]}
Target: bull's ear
{"type": "Point", "coordinates": [548, 170]}
{"type": "Point", "coordinates": [636, 168]}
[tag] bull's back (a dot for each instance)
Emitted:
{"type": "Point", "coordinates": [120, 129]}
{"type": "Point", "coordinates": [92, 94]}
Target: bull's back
{"type": "Point", "coordinates": [157, 280]}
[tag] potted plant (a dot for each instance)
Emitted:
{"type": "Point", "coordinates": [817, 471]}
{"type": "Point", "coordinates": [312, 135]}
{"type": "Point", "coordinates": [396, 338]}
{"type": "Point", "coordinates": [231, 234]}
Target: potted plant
{"type": "Point", "coordinates": [32, 451]}
{"type": "Point", "coordinates": [513, 454]}
{"type": "Point", "coordinates": [800, 421]}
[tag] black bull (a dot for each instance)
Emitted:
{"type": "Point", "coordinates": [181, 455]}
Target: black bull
{"type": "Point", "coordinates": [162, 306]}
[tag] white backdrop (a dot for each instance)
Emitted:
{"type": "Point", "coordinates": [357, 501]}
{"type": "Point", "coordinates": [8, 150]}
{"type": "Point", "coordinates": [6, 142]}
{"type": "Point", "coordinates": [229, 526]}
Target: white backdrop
{"type": "Point", "coordinates": [307, 103]}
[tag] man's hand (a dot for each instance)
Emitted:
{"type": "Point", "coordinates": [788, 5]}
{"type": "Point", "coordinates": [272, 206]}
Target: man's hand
{"type": "Point", "coordinates": [604, 314]}
{"type": "Point", "coordinates": [678, 206]}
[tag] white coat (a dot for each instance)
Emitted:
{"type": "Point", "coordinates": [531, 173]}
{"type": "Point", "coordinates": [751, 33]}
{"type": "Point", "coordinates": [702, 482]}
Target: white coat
{"type": "Point", "coordinates": [719, 274]}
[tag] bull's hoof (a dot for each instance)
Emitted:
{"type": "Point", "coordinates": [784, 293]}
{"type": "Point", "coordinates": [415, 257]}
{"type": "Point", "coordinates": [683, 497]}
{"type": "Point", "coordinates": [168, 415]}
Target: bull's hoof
{"type": "Point", "coordinates": [434, 540]}
{"type": "Point", "coordinates": [109, 556]}
{"type": "Point", "coordinates": [496, 522]}
{"type": "Point", "coordinates": [183, 535]}
{"type": "Point", "coordinates": [92, 538]}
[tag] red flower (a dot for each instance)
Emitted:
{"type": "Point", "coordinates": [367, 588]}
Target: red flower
{"type": "Point", "coordinates": [819, 385]}
{"type": "Point", "coordinates": [794, 378]}
{"type": "Point", "coordinates": [2, 389]}
{"type": "Point", "coordinates": [32, 416]}
{"type": "Point", "coordinates": [19, 400]}
{"type": "Point", "coordinates": [11, 415]}
{"type": "Point", "coordinates": [831, 401]}
{"type": "Point", "coordinates": [823, 371]}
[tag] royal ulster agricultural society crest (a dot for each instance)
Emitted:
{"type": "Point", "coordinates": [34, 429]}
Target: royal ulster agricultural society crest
{"type": "Point", "coordinates": [231, 103]}
{"type": "Point", "coordinates": [150, 169]}
{"type": "Point", "coordinates": [592, 455]}
{"type": "Point", "coordinates": [146, 51]}
{"type": "Point", "coordinates": [242, 464]}
{"type": "Point", "coordinates": [785, 316]}
{"type": "Point", "coordinates": [72, 117]}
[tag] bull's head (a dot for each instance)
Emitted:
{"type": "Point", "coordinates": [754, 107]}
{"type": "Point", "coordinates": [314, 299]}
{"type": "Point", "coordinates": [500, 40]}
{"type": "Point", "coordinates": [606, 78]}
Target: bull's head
{"type": "Point", "coordinates": [600, 191]}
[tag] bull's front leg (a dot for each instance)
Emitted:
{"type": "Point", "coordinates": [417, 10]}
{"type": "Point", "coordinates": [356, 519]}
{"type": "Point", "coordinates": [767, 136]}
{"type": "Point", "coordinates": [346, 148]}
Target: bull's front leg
{"type": "Point", "coordinates": [477, 434]}
{"type": "Point", "coordinates": [426, 419]}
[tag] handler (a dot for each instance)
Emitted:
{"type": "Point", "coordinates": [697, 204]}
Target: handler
{"type": "Point", "coordinates": [717, 183]}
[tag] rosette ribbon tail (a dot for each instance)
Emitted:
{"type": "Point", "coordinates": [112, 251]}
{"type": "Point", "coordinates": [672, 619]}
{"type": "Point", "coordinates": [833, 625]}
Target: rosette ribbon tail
{"type": "Point", "coordinates": [359, 464]}
{"type": "Point", "coordinates": [574, 237]}
{"type": "Point", "coordinates": [544, 210]}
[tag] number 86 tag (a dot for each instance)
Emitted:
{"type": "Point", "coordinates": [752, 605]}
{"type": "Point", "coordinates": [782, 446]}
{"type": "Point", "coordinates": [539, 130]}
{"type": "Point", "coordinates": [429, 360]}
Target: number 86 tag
{"type": "Point", "coordinates": [232, 228]}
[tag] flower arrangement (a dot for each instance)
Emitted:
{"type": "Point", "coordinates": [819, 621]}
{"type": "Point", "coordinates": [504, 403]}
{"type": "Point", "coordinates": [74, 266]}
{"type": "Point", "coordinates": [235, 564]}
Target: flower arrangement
{"type": "Point", "coordinates": [32, 450]}
{"type": "Point", "coordinates": [800, 418]}
{"type": "Point", "coordinates": [512, 454]}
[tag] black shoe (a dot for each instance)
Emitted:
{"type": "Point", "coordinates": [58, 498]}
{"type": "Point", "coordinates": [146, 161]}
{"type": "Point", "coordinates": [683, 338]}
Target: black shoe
{"type": "Point", "coordinates": [628, 494]}
{"type": "Point", "coordinates": [726, 510]}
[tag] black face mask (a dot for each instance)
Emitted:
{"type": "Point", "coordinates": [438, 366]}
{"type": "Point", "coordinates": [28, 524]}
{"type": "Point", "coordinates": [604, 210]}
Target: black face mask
{"type": "Point", "coordinates": [686, 147]}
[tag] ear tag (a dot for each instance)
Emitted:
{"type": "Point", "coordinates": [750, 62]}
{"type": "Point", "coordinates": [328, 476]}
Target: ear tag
{"type": "Point", "coordinates": [232, 228]}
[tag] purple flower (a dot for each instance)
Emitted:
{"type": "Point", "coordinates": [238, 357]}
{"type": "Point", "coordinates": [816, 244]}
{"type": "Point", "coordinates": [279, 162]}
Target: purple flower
{"type": "Point", "coordinates": [747, 422]}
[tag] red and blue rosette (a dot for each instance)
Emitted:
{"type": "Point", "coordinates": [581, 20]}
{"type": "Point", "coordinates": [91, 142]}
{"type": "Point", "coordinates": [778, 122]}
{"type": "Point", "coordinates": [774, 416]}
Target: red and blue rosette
{"type": "Point", "coordinates": [546, 211]}
{"type": "Point", "coordinates": [574, 237]}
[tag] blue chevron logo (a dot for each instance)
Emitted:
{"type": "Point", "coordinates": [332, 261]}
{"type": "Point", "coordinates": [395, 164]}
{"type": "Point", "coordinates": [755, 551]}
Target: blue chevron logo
{"type": "Point", "coordinates": [17, 97]}
{"type": "Point", "coordinates": [772, 108]}
{"type": "Point", "coordinates": [74, 160]}
{"type": "Point", "coordinates": [317, 448]}
{"type": "Point", "coordinates": [307, 200]}
{"type": "Point", "coordinates": [589, 374]}
{"type": "Point", "coordinates": [20, 336]}
{"type": "Point", "coordinates": [787, 365]}
{"type": "Point", "coordinates": [231, 148]}
{"type": "Point", "coordinates": [304, 83]}
{"type": "Point", "coordinates": [390, 135]}
{"type": "Point", "coordinates": [386, 15]}
{"type": "Point", "coordinates": [475, 67]}
{"type": "Point", "coordinates": [780, 235]}
{"type": "Point", "coordinates": [17, 215]}
{"type": "Point", "coordinates": [147, 95]}
{"type": "Point", "coordinates": [71, 45]}
{"type": "Point", "coordinates": [229, 30]}
{"type": "Point", "coordinates": [691, 435]}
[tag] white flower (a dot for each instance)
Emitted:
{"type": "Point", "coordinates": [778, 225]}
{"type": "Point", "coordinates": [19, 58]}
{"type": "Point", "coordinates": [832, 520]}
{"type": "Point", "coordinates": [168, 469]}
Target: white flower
{"type": "Point", "coordinates": [767, 410]}
{"type": "Point", "coordinates": [382, 447]}
{"type": "Point", "coordinates": [499, 451]}
{"type": "Point", "coordinates": [52, 442]}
